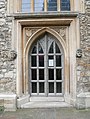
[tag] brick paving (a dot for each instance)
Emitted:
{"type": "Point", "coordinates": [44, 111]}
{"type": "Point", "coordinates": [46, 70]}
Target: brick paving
{"type": "Point", "coordinates": [47, 113]}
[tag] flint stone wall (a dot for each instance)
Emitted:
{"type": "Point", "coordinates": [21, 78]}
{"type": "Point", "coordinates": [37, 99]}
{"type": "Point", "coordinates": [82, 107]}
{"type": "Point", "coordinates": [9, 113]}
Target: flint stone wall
{"type": "Point", "coordinates": [83, 64]}
{"type": "Point", "coordinates": [7, 65]}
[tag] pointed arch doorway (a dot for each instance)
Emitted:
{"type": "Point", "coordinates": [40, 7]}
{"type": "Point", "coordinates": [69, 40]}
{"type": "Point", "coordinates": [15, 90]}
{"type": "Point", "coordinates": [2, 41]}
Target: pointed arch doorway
{"type": "Point", "coordinates": [46, 61]}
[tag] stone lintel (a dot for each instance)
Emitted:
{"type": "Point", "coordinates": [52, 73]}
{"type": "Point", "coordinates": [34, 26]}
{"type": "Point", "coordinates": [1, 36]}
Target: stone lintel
{"type": "Point", "coordinates": [44, 15]}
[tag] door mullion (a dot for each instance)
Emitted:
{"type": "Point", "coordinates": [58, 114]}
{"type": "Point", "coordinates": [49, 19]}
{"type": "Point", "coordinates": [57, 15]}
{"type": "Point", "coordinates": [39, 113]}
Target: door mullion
{"type": "Point", "coordinates": [46, 67]}
{"type": "Point", "coordinates": [54, 71]}
{"type": "Point", "coordinates": [37, 71]}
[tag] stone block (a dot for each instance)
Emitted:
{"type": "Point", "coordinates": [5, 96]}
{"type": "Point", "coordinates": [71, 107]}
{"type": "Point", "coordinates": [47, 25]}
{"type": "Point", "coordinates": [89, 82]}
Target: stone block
{"type": "Point", "coordinates": [9, 74]}
{"type": "Point", "coordinates": [80, 101]}
{"type": "Point", "coordinates": [9, 102]}
{"type": "Point", "coordinates": [87, 99]}
{"type": "Point", "coordinates": [1, 76]}
{"type": "Point", "coordinates": [22, 100]}
{"type": "Point", "coordinates": [83, 100]}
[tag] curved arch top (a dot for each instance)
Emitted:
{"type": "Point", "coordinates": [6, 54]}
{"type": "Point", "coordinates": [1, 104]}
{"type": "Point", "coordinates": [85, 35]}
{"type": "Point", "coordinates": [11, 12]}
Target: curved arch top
{"type": "Point", "coordinates": [39, 33]}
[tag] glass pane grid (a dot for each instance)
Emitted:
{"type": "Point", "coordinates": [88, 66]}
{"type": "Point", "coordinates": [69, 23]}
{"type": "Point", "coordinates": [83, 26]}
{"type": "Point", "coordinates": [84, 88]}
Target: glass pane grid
{"type": "Point", "coordinates": [65, 5]}
{"type": "Point", "coordinates": [34, 87]}
{"type": "Point", "coordinates": [34, 61]}
{"type": "Point", "coordinates": [26, 5]}
{"type": "Point", "coordinates": [39, 5]}
{"type": "Point", "coordinates": [52, 5]}
{"type": "Point", "coordinates": [41, 87]}
{"type": "Point", "coordinates": [51, 87]}
{"type": "Point", "coordinates": [34, 74]}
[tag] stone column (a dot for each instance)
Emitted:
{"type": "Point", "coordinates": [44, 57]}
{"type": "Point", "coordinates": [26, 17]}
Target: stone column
{"type": "Point", "coordinates": [19, 61]}
{"type": "Point", "coordinates": [72, 46]}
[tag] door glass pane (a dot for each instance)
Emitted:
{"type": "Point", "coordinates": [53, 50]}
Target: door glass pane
{"type": "Point", "coordinates": [51, 57]}
{"type": "Point", "coordinates": [51, 87]}
{"type": "Point", "coordinates": [41, 74]}
{"type": "Point", "coordinates": [39, 5]}
{"type": "Point", "coordinates": [34, 50]}
{"type": "Point", "coordinates": [57, 49]}
{"type": "Point", "coordinates": [33, 61]}
{"type": "Point", "coordinates": [51, 74]}
{"type": "Point", "coordinates": [34, 74]}
{"type": "Point", "coordinates": [41, 60]}
{"type": "Point", "coordinates": [51, 61]}
{"type": "Point", "coordinates": [52, 5]}
{"type": "Point", "coordinates": [41, 87]}
{"type": "Point", "coordinates": [40, 48]}
{"type": "Point", "coordinates": [58, 74]}
{"type": "Point", "coordinates": [34, 87]}
{"type": "Point", "coordinates": [26, 5]}
{"type": "Point", "coordinates": [65, 5]}
{"type": "Point", "coordinates": [59, 87]}
{"type": "Point", "coordinates": [51, 48]}
{"type": "Point", "coordinates": [58, 60]}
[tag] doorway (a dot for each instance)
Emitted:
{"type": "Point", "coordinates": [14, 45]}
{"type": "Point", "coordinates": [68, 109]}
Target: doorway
{"type": "Point", "coordinates": [46, 67]}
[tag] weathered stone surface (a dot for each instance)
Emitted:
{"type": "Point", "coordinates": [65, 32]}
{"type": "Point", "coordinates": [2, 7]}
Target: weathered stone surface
{"type": "Point", "coordinates": [7, 65]}
{"type": "Point", "coordinates": [83, 64]}
{"type": "Point", "coordinates": [7, 56]}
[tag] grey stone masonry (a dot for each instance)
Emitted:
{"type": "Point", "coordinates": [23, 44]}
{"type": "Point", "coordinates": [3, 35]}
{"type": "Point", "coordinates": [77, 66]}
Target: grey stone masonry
{"type": "Point", "coordinates": [7, 66]}
{"type": "Point", "coordinates": [83, 64]}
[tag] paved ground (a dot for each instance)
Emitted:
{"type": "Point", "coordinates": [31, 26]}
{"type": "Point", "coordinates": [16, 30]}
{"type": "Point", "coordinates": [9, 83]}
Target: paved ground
{"type": "Point", "coordinates": [47, 113]}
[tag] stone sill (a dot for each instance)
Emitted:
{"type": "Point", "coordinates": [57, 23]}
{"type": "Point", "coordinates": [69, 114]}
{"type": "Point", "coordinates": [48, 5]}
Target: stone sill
{"type": "Point", "coordinates": [44, 15]}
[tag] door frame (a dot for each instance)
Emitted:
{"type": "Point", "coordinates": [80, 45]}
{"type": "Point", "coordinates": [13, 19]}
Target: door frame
{"type": "Point", "coordinates": [70, 45]}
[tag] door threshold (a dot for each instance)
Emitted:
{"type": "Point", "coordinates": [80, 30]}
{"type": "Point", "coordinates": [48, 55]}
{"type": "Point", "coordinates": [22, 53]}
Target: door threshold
{"type": "Point", "coordinates": [47, 99]}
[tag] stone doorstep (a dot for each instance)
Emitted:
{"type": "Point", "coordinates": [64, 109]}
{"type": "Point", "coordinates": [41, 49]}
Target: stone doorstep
{"type": "Point", "coordinates": [41, 102]}
{"type": "Point", "coordinates": [9, 102]}
{"type": "Point", "coordinates": [45, 105]}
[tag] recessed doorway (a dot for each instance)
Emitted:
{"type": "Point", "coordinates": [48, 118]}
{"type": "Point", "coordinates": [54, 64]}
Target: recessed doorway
{"type": "Point", "coordinates": [46, 67]}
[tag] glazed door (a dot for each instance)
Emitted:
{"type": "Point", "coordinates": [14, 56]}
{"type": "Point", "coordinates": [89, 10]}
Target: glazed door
{"type": "Point", "coordinates": [46, 67]}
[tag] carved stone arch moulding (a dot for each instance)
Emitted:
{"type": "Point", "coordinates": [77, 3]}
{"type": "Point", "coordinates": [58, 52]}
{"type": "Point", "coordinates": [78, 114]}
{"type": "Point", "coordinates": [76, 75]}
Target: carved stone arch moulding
{"type": "Point", "coordinates": [31, 30]}
{"type": "Point", "coordinates": [39, 31]}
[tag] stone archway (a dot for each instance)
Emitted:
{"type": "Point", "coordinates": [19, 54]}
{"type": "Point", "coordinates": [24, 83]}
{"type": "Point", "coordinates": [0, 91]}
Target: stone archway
{"type": "Point", "coordinates": [29, 44]}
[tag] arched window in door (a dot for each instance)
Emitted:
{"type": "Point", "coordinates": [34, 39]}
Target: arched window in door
{"type": "Point", "coordinates": [46, 67]}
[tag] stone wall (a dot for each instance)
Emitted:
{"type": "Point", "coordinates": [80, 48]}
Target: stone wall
{"type": "Point", "coordinates": [7, 56]}
{"type": "Point", "coordinates": [7, 64]}
{"type": "Point", "coordinates": [83, 64]}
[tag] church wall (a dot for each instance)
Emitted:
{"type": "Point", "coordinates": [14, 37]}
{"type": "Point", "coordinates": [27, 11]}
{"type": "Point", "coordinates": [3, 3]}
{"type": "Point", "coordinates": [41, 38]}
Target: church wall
{"type": "Point", "coordinates": [7, 62]}
{"type": "Point", "coordinates": [83, 63]}
{"type": "Point", "coordinates": [8, 56]}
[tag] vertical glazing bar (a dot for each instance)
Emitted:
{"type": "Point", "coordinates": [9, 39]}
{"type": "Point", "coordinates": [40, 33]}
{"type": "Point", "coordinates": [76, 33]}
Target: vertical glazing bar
{"type": "Point", "coordinates": [72, 5]}
{"type": "Point", "coordinates": [54, 69]}
{"type": "Point", "coordinates": [45, 5]}
{"type": "Point", "coordinates": [19, 5]}
{"type": "Point", "coordinates": [46, 72]}
{"type": "Point", "coordinates": [37, 71]}
{"type": "Point", "coordinates": [58, 5]}
{"type": "Point", "coordinates": [32, 6]}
